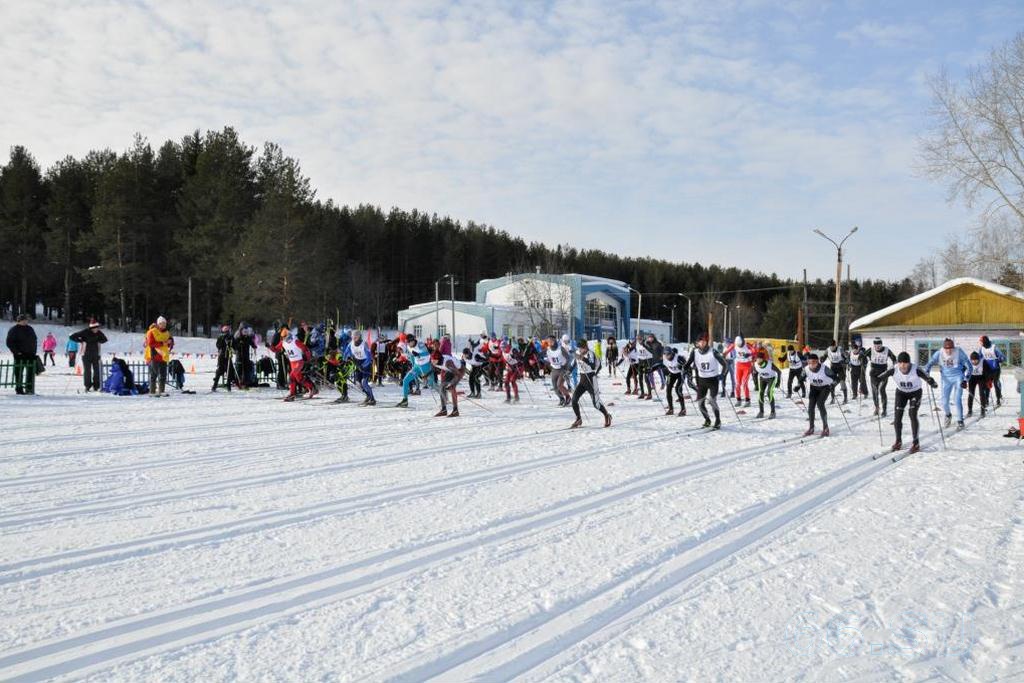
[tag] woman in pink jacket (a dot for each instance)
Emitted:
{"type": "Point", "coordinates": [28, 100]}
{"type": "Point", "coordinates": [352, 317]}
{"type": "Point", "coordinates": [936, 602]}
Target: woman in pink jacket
{"type": "Point", "coordinates": [49, 346]}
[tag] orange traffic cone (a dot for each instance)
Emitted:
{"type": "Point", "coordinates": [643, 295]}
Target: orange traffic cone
{"type": "Point", "coordinates": [192, 370]}
{"type": "Point", "coordinates": [78, 369]}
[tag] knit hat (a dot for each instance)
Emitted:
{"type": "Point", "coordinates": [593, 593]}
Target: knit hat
{"type": "Point", "coordinates": [94, 323]}
{"type": "Point", "coordinates": [161, 320]}
{"type": "Point", "coordinates": [904, 357]}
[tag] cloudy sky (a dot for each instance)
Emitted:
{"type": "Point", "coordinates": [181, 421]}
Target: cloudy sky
{"type": "Point", "coordinates": [715, 131]}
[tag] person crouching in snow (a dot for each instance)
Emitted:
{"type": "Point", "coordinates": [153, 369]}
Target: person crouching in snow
{"type": "Point", "coordinates": [908, 378]}
{"type": "Point", "coordinates": [297, 355]}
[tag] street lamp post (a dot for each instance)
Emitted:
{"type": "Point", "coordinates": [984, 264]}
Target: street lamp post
{"type": "Point", "coordinates": [639, 306]}
{"type": "Point", "coordinates": [672, 329]}
{"type": "Point", "coordinates": [839, 274]}
{"type": "Point", "coordinates": [689, 310]}
{"type": "Point", "coordinates": [451, 279]}
{"type": "Point", "coordinates": [725, 320]}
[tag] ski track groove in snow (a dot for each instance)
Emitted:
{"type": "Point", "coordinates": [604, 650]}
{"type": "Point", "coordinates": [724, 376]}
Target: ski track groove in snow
{"type": "Point", "coordinates": [180, 627]}
{"type": "Point", "coordinates": [580, 628]}
{"type": "Point", "coordinates": [516, 650]}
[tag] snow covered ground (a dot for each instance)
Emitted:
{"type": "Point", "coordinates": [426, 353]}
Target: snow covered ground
{"type": "Point", "coordinates": [216, 537]}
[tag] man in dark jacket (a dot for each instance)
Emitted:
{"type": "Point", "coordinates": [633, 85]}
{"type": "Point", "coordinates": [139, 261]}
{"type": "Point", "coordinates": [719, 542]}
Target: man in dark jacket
{"type": "Point", "coordinates": [90, 338]}
{"type": "Point", "coordinates": [225, 342]}
{"type": "Point", "coordinates": [244, 344]}
{"type": "Point", "coordinates": [22, 343]}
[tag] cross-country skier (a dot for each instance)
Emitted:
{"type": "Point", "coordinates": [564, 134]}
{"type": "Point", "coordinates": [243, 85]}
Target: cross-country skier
{"type": "Point", "coordinates": [819, 380]}
{"type": "Point", "coordinates": [422, 368]}
{"type": "Point", "coordinates": [743, 363]}
{"type": "Point", "coordinates": [477, 361]}
{"type": "Point", "coordinates": [795, 360]}
{"type": "Point", "coordinates": [643, 366]}
{"type": "Point", "coordinates": [880, 358]}
{"type": "Point", "coordinates": [766, 377]}
{"type": "Point", "coordinates": [709, 367]}
{"type": "Point", "coordinates": [908, 378]}
{"type": "Point", "coordinates": [955, 370]}
{"type": "Point", "coordinates": [837, 364]}
{"type": "Point", "coordinates": [557, 359]}
{"type": "Point", "coordinates": [588, 366]}
{"type": "Point", "coordinates": [993, 359]}
{"type": "Point", "coordinates": [629, 355]}
{"type": "Point", "coordinates": [451, 370]}
{"type": "Point", "coordinates": [675, 380]}
{"type": "Point", "coordinates": [358, 351]}
{"type": "Point", "coordinates": [297, 355]}
{"type": "Point", "coordinates": [977, 381]}
{"type": "Point", "coordinates": [654, 363]}
{"type": "Point", "coordinates": [858, 371]}
{"type": "Point", "coordinates": [512, 359]}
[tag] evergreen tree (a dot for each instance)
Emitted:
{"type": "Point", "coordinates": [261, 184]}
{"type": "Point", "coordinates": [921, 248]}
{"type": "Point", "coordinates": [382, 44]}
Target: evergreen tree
{"type": "Point", "coordinates": [22, 222]}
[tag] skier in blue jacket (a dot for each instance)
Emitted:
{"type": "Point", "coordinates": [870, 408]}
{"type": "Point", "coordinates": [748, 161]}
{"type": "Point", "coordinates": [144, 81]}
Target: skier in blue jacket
{"type": "Point", "coordinates": [993, 359]}
{"type": "Point", "coordinates": [422, 368]}
{"type": "Point", "coordinates": [358, 351]}
{"type": "Point", "coordinates": [955, 369]}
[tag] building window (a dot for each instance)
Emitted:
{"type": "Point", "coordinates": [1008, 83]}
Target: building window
{"type": "Point", "coordinates": [417, 331]}
{"type": "Point", "coordinates": [442, 330]}
{"type": "Point", "coordinates": [534, 303]}
{"type": "Point", "coordinates": [518, 303]}
{"type": "Point", "coordinates": [602, 317]}
{"type": "Point", "coordinates": [548, 303]}
{"type": "Point", "coordinates": [506, 330]}
{"type": "Point", "coordinates": [520, 329]}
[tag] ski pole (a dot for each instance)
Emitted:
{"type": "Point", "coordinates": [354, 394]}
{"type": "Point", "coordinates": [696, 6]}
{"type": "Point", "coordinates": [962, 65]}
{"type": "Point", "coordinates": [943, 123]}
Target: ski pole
{"type": "Point", "coordinates": [843, 413]}
{"type": "Point", "coordinates": [935, 408]}
{"type": "Point", "coordinates": [734, 412]}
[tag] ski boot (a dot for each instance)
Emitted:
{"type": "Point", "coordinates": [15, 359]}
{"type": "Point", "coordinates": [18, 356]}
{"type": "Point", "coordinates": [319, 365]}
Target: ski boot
{"type": "Point", "coordinates": [370, 402]}
{"type": "Point", "coordinates": [670, 411]}
{"type": "Point", "coordinates": [914, 448]}
{"type": "Point", "coordinates": [717, 425]}
{"type": "Point", "coordinates": [682, 411]}
{"type": "Point", "coordinates": [345, 399]}
{"type": "Point", "coordinates": [898, 446]}
{"type": "Point", "coordinates": [876, 412]}
{"type": "Point", "coordinates": [771, 415]}
{"type": "Point", "coordinates": [441, 413]}
{"type": "Point", "coordinates": [454, 413]}
{"type": "Point", "coordinates": [404, 403]}
{"type": "Point", "coordinates": [970, 412]}
{"type": "Point", "coordinates": [707, 423]}
{"type": "Point", "coordinates": [746, 403]}
{"type": "Point", "coordinates": [959, 425]}
{"type": "Point", "coordinates": [607, 419]}
{"type": "Point", "coordinates": [760, 413]}
{"type": "Point", "coordinates": [825, 432]}
{"type": "Point", "coordinates": [809, 432]}
{"type": "Point", "coordinates": [577, 424]}
{"type": "Point", "coordinates": [287, 399]}
{"type": "Point", "coordinates": [949, 419]}
{"type": "Point", "coordinates": [515, 400]}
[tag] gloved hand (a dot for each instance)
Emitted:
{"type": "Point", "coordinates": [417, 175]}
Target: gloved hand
{"type": "Point", "coordinates": [963, 384]}
{"type": "Point", "coordinates": [933, 383]}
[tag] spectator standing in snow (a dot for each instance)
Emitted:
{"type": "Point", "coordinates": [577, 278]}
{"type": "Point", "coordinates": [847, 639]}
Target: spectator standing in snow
{"type": "Point", "coordinates": [22, 343]}
{"type": "Point", "coordinates": [90, 338]}
{"type": "Point", "coordinates": [49, 346]}
{"type": "Point", "coordinates": [71, 350]}
{"type": "Point", "coordinates": [159, 343]}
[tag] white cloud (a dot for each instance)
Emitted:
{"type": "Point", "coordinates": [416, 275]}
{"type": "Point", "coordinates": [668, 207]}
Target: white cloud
{"type": "Point", "coordinates": [564, 121]}
{"type": "Point", "coordinates": [883, 35]}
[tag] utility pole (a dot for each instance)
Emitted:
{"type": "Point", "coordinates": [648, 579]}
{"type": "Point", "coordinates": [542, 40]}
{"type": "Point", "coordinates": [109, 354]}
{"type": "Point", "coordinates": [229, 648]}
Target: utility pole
{"type": "Point", "coordinates": [804, 327]}
{"type": "Point", "coordinates": [839, 275]}
{"type": "Point", "coordinates": [672, 329]}
{"type": "Point", "coordinates": [190, 307]}
{"type": "Point", "coordinates": [451, 279]}
{"type": "Point", "coordinates": [725, 320]}
{"type": "Point", "coordinates": [689, 317]}
{"type": "Point", "coordinates": [437, 308]}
